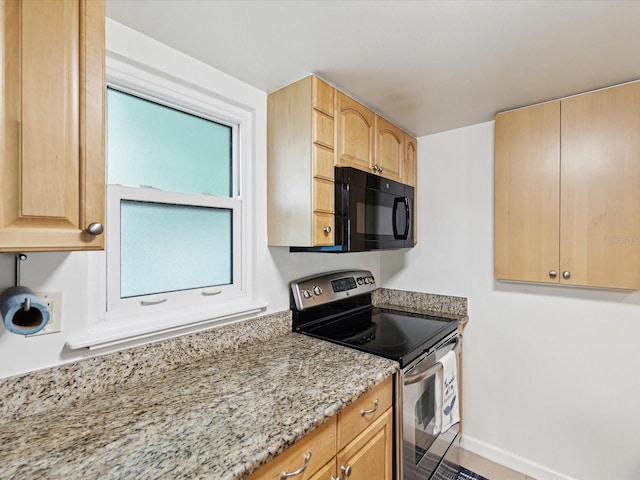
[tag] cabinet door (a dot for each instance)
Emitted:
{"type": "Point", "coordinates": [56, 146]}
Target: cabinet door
{"type": "Point", "coordinates": [527, 190]}
{"type": "Point", "coordinates": [600, 214]}
{"type": "Point", "coordinates": [410, 176]}
{"type": "Point", "coordinates": [52, 123]}
{"type": "Point", "coordinates": [369, 456]}
{"type": "Point", "coordinates": [356, 134]}
{"type": "Point", "coordinates": [389, 154]}
{"type": "Point", "coordinates": [409, 171]}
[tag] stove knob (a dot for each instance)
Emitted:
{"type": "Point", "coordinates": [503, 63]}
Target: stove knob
{"type": "Point", "coordinates": [373, 280]}
{"type": "Point", "coordinates": [306, 293]}
{"type": "Point", "coordinates": [360, 280]}
{"type": "Point", "coordinates": [317, 290]}
{"type": "Point", "coordinates": [367, 280]}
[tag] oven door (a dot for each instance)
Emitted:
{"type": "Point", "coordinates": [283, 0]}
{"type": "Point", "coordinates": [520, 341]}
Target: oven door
{"type": "Point", "coordinates": [423, 445]}
{"type": "Point", "coordinates": [376, 213]}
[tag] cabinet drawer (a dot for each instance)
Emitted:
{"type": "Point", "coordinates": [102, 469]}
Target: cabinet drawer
{"type": "Point", "coordinates": [323, 193]}
{"type": "Point", "coordinates": [320, 222]}
{"type": "Point", "coordinates": [352, 421]}
{"type": "Point", "coordinates": [323, 96]}
{"type": "Point", "coordinates": [323, 166]}
{"type": "Point", "coordinates": [322, 445]}
{"type": "Point", "coordinates": [322, 129]}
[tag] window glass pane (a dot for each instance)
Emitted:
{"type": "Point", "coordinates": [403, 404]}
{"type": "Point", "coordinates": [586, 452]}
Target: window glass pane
{"type": "Point", "coordinates": [166, 248]}
{"type": "Point", "coordinates": [150, 144]}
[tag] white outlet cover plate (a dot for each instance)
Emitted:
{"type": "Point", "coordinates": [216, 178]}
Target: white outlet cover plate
{"type": "Point", "coordinates": [53, 300]}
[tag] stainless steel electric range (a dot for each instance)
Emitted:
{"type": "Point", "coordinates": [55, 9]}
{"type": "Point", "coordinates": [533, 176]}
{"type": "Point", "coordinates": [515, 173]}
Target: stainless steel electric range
{"type": "Point", "coordinates": [337, 307]}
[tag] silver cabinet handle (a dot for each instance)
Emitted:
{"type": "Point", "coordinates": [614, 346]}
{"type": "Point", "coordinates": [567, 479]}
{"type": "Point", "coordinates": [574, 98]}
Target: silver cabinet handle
{"type": "Point", "coordinates": [371, 410]}
{"type": "Point", "coordinates": [327, 229]}
{"type": "Point", "coordinates": [380, 169]}
{"type": "Point", "coordinates": [95, 228]}
{"type": "Point", "coordinates": [146, 303]}
{"type": "Point", "coordinates": [566, 274]}
{"type": "Point", "coordinates": [376, 168]}
{"type": "Point", "coordinates": [346, 470]}
{"type": "Point", "coordinates": [553, 274]}
{"type": "Point", "coordinates": [307, 459]}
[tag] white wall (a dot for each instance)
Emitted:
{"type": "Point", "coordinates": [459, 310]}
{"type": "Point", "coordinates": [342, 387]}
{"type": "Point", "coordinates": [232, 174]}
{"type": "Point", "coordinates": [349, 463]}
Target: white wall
{"type": "Point", "coordinates": [551, 382]}
{"type": "Point", "coordinates": [74, 274]}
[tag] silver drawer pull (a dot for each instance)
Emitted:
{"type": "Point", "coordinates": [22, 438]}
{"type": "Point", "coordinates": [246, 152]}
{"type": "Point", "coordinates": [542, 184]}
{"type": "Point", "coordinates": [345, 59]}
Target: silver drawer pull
{"type": "Point", "coordinates": [307, 459]}
{"type": "Point", "coordinates": [371, 410]}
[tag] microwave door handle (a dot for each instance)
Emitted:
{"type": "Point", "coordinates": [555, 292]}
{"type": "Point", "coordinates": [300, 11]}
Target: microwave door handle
{"type": "Point", "coordinates": [408, 212]}
{"type": "Point", "coordinates": [405, 202]}
{"type": "Point", "coordinates": [394, 217]}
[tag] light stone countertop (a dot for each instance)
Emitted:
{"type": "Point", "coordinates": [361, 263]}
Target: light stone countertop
{"type": "Point", "coordinates": [218, 417]}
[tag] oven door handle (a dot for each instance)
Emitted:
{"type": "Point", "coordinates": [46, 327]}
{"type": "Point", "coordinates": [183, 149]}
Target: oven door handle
{"type": "Point", "coordinates": [418, 377]}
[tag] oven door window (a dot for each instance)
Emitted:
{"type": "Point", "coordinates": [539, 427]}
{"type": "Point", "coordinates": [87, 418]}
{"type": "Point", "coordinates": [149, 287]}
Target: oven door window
{"type": "Point", "coordinates": [419, 428]}
{"type": "Point", "coordinates": [425, 419]}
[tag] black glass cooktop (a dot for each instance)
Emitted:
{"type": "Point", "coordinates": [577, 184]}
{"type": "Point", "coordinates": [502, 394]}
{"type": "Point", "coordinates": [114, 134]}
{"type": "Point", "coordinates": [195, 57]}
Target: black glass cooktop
{"type": "Point", "coordinates": [393, 334]}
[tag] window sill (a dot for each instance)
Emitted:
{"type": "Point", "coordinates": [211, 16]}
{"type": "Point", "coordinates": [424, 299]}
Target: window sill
{"type": "Point", "coordinates": [110, 332]}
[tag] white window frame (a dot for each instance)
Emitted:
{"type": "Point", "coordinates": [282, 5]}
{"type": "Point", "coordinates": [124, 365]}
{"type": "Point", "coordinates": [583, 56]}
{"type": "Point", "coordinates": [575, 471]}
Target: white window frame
{"type": "Point", "coordinates": [126, 320]}
{"type": "Point", "coordinates": [137, 304]}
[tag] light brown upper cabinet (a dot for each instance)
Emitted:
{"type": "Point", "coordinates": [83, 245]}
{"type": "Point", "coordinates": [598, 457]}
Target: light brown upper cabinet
{"type": "Point", "coordinates": [52, 120]}
{"type": "Point", "coordinates": [311, 128]}
{"type": "Point", "coordinates": [389, 154]}
{"type": "Point", "coordinates": [300, 157]}
{"type": "Point", "coordinates": [567, 190]}
{"type": "Point", "coordinates": [409, 169]}
{"type": "Point", "coordinates": [527, 189]}
{"type": "Point", "coordinates": [410, 176]}
{"type": "Point", "coordinates": [356, 129]}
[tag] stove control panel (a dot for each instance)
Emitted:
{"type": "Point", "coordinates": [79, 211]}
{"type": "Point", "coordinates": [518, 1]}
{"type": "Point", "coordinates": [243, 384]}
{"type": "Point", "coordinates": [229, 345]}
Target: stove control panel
{"type": "Point", "coordinates": [329, 287]}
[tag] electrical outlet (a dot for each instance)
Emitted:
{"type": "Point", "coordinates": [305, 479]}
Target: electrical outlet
{"type": "Point", "coordinates": [53, 301]}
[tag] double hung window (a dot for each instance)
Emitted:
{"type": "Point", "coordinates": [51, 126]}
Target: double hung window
{"type": "Point", "coordinates": [174, 208]}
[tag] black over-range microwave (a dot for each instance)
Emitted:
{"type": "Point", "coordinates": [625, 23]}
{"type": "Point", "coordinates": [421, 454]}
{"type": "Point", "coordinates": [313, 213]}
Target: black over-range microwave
{"type": "Point", "coordinates": [371, 213]}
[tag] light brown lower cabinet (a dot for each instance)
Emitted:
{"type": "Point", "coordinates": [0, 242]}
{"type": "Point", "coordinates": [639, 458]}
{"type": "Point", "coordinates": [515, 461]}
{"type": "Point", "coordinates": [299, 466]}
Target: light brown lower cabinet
{"type": "Point", "coordinates": [369, 456]}
{"type": "Point", "coordinates": [356, 444]}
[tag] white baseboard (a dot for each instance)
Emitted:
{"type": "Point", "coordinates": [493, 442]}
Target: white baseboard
{"type": "Point", "coordinates": [514, 462]}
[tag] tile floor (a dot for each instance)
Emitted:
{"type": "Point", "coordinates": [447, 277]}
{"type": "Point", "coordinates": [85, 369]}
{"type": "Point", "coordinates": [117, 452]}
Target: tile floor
{"type": "Point", "coordinates": [487, 468]}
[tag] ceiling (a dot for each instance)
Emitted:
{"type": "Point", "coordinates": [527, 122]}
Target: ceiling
{"type": "Point", "coordinates": [427, 66]}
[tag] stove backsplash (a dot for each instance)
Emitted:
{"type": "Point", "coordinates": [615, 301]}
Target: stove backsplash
{"type": "Point", "coordinates": [442, 305]}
